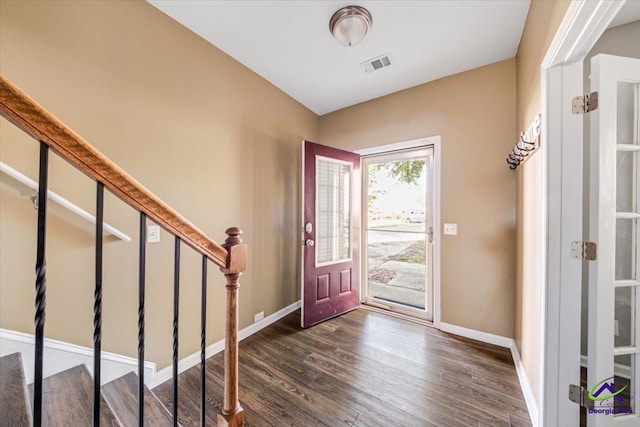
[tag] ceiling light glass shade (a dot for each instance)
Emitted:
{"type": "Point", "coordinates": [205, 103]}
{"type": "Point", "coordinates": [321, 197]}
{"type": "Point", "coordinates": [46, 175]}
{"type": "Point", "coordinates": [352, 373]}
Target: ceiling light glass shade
{"type": "Point", "coordinates": [350, 24]}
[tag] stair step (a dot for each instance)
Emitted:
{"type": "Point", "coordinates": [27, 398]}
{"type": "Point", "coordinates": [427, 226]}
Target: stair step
{"type": "Point", "coordinates": [67, 400]}
{"type": "Point", "coordinates": [121, 395]}
{"type": "Point", "coordinates": [14, 401]}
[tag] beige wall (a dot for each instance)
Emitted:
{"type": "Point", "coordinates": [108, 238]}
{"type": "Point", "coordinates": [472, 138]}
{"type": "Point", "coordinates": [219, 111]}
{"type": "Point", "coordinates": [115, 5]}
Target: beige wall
{"type": "Point", "coordinates": [214, 140]}
{"type": "Point", "coordinates": [474, 113]}
{"type": "Point", "coordinates": [542, 23]}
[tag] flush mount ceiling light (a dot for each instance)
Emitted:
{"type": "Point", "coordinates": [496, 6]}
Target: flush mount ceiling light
{"type": "Point", "coordinates": [350, 24]}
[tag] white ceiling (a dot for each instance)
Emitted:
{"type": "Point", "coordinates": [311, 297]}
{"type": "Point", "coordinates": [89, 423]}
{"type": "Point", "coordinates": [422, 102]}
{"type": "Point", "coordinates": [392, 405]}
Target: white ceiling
{"type": "Point", "coordinates": [289, 44]}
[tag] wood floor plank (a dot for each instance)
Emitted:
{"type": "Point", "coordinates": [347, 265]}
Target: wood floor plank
{"type": "Point", "coordinates": [67, 399]}
{"type": "Point", "coordinates": [339, 391]}
{"type": "Point", "coordinates": [366, 402]}
{"type": "Point", "coordinates": [293, 366]}
{"type": "Point", "coordinates": [14, 397]}
{"type": "Point", "coordinates": [263, 397]}
{"type": "Point", "coordinates": [322, 408]}
{"type": "Point", "coordinates": [188, 412]}
{"type": "Point", "coordinates": [189, 398]}
{"type": "Point", "coordinates": [517, 421]}
{"type": "Point", "coordinates": [121, 395]}
{"type": "Point", "coordinates": [398, 399]}
{"type": "Point", "coordinates": [366, 369]}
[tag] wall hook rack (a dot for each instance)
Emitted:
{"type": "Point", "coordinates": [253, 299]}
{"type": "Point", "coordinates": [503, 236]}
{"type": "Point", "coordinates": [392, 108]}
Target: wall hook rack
{"type": "Point", "coordinates": [528, 142]}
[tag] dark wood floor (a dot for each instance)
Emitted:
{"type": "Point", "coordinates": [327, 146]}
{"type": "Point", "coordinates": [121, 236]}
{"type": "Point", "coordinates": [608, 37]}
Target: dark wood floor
{"type": "Point", "coordinates": [362, 369]}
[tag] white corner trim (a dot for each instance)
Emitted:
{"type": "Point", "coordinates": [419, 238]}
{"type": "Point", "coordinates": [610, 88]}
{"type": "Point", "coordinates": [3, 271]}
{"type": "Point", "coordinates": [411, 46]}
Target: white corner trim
{"type": "Point", "coordinates": [477, 335]}
{"type": "Point", "coordinates": [527, 391]}
{"type": "Point", "coordinates": [215, 348]}
{"type": "Point", "coordinates": [437, 226]}
{"type": "Point", "coordinates": [60, 356]}
{"type": "Point", "coordinates": [505, 342]}
{"type": "Point", "coordinates": [583, 24]}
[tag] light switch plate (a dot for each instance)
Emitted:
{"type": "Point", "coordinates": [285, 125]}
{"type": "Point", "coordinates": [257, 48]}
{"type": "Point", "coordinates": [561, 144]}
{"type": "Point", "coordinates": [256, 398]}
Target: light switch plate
{"type": "Point", "coordinates": [153, 233]}
{"type": "Point", "coordinates": [451, 229]}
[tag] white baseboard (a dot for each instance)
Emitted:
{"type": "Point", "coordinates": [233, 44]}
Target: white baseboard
{"type": "Point", "coordinates": [505, 342]}
{"type": "Point", "coordinates": [215, 348]}
{"type": "Point", "coordinates": [527, 391]}
{"type": "Point", "coordinates": [476, 335]}
{"type": "Point", "coordinates": [60, 356]}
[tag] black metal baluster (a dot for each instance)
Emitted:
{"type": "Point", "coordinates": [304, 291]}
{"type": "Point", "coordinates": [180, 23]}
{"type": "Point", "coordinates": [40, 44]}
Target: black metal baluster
{"type": "Point", "coordinates": [97, 305]}
{"type": "Point", "coordinates": [176, 305]}
{"type": "Point", "coordinates": [141, 283]}
{"type": "Point", "coordinates": [203, 339]}
{"type": "Point", "coordinates": [41, 283]}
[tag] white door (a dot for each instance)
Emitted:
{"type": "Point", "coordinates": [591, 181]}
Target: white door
{"type": "Point", "coordinates": [613, 377]}
{"type": "Point", "coordinates": [398, 214]}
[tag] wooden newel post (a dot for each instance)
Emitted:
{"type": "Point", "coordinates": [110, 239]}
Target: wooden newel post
{"type": "Point", "coordinates": [232, 414]}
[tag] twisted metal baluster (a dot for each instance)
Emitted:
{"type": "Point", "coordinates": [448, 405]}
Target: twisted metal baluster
{"type": "Point", "coordinates": [97, 305]}
{"type": "Point", "coordinates": [203, 339]}
{"type": "Point", "coordinates": [176, 306]}
{"type": "Point", "coordinates": [41, 283]}
{"type": "Point", "coordinates": [141, 284]}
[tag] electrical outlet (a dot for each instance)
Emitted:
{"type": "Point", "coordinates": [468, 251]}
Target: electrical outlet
{"type": "Point", "coordinates": [451, 229]}
{"type": "Point", "coordinates": [258, 316]}
{"type": "Point", "coordinates": [153, 233]}
{"type": "Point", "coordinates": [616, 328]}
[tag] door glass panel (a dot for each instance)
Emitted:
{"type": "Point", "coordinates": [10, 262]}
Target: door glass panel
{"type": "Point", "coordinates": [626, 193]}
{"type": "Point", "coordinates": [397, 267]}
{"type": "Point", "coordinates": [333, 211]}
{"type": "Point", "coordinates": [627, 125]}
{"type": "Point", "coordinates": [624, 378]}
{"type": "Point", "coordinates": [625, 316]}
{"type": "Point", "coordinates": [625, 249]}
{"type": "Point", "coordinates": [397, 238]}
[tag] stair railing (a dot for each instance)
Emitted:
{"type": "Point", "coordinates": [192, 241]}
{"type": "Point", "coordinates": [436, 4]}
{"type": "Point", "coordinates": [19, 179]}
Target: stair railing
{"type": "Point", "coordinates": [29, 116]}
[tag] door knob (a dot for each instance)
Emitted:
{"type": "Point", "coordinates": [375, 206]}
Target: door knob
{"type": "Point", "coordinates": [309, 242]}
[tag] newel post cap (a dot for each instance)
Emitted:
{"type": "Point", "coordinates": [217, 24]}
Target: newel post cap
{"type": "Point", "coordinates": [233, 238]}
{"type": "Point", "coordinates": [237, 252]}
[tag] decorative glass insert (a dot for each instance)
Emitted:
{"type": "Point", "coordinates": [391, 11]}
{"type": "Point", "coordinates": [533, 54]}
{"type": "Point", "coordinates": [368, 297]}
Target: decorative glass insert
{"type": "Point", "coordinates": [624, 403]}
{"type": "Point", "coordinates": [627, 123]}
{"type": "Point", "coordinates": [625, 316]}
{"type": "Point", "coordinates": [333, 211]}
{"type": "Point", "coordinates": [625, 249]}
{"type": "Point", "coordinates": [626, 190]}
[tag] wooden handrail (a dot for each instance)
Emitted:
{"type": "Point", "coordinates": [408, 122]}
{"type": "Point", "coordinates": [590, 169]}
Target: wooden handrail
{"type": "Point", "coordinates": [28, 115]}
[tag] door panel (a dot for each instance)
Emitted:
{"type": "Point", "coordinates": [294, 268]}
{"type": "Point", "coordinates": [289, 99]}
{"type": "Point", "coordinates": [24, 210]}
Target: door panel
{"type": "Point", "coordinates": [398, 207]}
{"type": "Point", "coordinates": [614, 278]}
{"type": "Point", "coordinates": [331, 218]}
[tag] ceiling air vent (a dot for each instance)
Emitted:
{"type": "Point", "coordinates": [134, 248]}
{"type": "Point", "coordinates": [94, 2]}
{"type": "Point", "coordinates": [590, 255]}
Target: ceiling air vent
{"type": "Point", "coordinates": [377, 63]}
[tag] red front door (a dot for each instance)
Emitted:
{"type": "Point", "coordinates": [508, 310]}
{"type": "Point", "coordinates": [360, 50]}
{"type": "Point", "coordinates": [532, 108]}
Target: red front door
{"type": "Point", "coordinates": [331, 226]}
